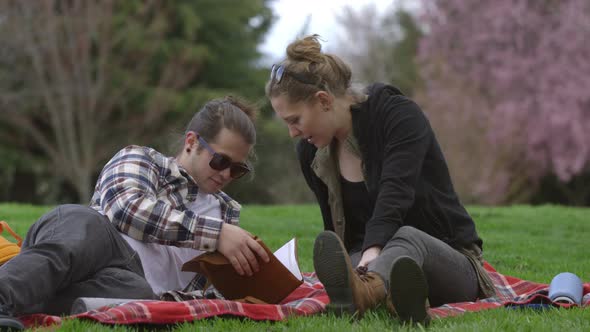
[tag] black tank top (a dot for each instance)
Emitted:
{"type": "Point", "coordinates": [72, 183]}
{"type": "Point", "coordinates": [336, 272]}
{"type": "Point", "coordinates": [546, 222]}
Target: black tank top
{"type": "Point", "coordinates": [357, 211]}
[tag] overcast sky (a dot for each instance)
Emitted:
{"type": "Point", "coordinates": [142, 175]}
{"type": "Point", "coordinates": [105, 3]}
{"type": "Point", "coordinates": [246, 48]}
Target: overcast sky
{"type": "Point", "coordinates": [291, 16]}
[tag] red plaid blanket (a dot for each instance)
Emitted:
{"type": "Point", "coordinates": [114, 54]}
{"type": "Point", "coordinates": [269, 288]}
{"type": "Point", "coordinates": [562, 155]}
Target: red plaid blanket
{"type": "Point", "coordinates": [309, 299]}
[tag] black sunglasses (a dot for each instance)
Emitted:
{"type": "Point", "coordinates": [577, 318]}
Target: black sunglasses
{"type": "Point", "coordinates": [219, 162]}
{"type": "Point", "coordinates": [277, 72]}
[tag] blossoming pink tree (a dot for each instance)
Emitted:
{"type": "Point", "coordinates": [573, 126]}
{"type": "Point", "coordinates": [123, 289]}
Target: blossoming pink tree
{"type": "Point", "coordinates": [529, 60]}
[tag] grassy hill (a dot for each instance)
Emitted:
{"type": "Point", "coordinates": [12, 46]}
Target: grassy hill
{"type": "Point", "coordinates": [533, 243]}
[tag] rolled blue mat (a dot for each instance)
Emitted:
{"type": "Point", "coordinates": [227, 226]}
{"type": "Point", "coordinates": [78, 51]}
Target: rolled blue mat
{"type": "Point", "coordinates": [566, 287]}
{"type": "Point", "coordinates": [84, 304]}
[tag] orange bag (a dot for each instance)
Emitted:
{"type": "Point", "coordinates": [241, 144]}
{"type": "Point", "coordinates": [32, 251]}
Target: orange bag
{"type": "Point", "coordinates": [8, 249]}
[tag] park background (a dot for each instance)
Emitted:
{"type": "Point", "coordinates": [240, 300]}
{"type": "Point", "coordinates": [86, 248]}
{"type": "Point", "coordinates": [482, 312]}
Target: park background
{"type": "Point", "coordinates": [504, 84]}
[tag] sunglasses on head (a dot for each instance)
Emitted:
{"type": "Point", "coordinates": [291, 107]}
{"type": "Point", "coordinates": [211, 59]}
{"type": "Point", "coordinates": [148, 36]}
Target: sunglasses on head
{"type": "Point", "coordinates": [277, 72]}
{"type": "Point", "coordinates": [220, 162]}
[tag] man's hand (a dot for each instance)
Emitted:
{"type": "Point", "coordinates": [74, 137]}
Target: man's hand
{"type": "Point", "coordinates": [369, 254]}
{"type": "Point", "coordinates": [238, 246]}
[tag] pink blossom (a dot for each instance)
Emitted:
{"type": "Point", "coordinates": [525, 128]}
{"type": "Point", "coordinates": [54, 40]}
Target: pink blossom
{"type": "Point", "coordinates": [530, 62]}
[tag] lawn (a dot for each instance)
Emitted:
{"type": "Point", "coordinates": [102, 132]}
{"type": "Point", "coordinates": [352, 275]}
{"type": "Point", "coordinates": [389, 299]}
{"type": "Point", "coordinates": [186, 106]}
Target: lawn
{"type": "Point", "coordinates": [533, 243]}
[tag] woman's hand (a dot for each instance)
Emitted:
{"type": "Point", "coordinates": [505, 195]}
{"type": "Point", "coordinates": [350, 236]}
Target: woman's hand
{"type": "Point", "coordinates": [369, 254]}
{"type": "Point", "coordinates": [240, 248]}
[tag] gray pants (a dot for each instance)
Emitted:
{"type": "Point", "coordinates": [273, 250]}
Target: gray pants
{"type": "Point", "coordinates": [450, 275]}
{"type": "Point", "coordinates": [70, 252]}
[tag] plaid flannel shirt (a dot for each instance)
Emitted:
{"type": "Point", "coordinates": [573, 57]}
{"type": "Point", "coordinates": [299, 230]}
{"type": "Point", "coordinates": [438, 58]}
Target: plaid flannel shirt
{"type": "Point", "coordinates": [146, 195]}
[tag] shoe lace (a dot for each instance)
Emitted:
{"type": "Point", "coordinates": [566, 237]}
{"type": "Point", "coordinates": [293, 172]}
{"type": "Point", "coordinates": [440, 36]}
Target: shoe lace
{"type": "Point", "coordinates": [362, 272]}
{"type": "Point", "coordinates": [370, 281]}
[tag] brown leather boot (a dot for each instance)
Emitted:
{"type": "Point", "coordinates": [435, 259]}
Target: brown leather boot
{"type": "Point", "coordinates": [350, 291]}
{"type": "Point", "coordinates": [407, 297]}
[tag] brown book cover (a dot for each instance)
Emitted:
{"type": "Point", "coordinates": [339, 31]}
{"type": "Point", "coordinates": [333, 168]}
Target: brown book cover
{"type": "Point", "coordinates": [271, 284]}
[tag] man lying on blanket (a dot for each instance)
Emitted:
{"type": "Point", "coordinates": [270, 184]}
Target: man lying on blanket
{"type": "Point", "coordinates": [149, 214]}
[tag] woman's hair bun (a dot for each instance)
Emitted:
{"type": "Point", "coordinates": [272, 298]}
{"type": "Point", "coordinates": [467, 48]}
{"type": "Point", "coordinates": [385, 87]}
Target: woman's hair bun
{"type": "Point", "coordinates": [307, 49]}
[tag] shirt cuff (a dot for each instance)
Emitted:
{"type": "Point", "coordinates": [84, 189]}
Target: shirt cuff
{"type": "Point", "coordinates": [207, 234]}
{"type": "Point", "coordinates": [378, 234]}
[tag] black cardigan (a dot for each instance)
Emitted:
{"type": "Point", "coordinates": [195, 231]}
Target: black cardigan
{"type": "Point", "coordinates": [406, 174]}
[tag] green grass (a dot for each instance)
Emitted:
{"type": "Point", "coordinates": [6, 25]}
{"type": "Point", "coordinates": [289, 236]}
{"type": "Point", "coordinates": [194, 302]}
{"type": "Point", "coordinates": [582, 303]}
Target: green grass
{"type": "Point", "coordinates": [533, 243]}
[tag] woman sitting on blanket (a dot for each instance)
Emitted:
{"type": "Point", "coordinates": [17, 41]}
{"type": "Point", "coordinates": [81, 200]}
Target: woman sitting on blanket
{"type": "Point", "coordinates": [396, 232]}
{"type": "Point", "coordinates": [149, 214]}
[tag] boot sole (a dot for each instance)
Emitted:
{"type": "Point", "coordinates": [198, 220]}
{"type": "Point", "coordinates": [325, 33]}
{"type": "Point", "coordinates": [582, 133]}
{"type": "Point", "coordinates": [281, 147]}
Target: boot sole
{"type": "Point", "coordinates": [10, 324]}
{"type": "Point", "coordinates": [409, 291]}
{"type": "Point", "coordinates": [332, 264]}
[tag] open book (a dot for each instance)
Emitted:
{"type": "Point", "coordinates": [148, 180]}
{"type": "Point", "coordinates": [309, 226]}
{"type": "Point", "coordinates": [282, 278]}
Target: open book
{"type": "Point", "coordinates": [271, 284]}
{"type": "Point", "coordinates": [287, 255]}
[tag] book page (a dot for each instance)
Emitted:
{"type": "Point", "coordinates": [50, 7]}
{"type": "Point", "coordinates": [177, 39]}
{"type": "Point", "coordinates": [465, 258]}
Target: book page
{"type": "Point", "coordinates": [287, 254]}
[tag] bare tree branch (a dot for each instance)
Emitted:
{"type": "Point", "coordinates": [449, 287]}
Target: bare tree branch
{"type": "Point", "coordinates": [57, 71]}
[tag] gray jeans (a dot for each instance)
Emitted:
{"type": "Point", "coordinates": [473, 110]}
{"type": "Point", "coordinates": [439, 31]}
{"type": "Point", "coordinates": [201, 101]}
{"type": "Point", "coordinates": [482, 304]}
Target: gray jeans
{"type": "Point", "coordinates": [70, 252]}
{"type": "Point", "coordinates": [450, 275]}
